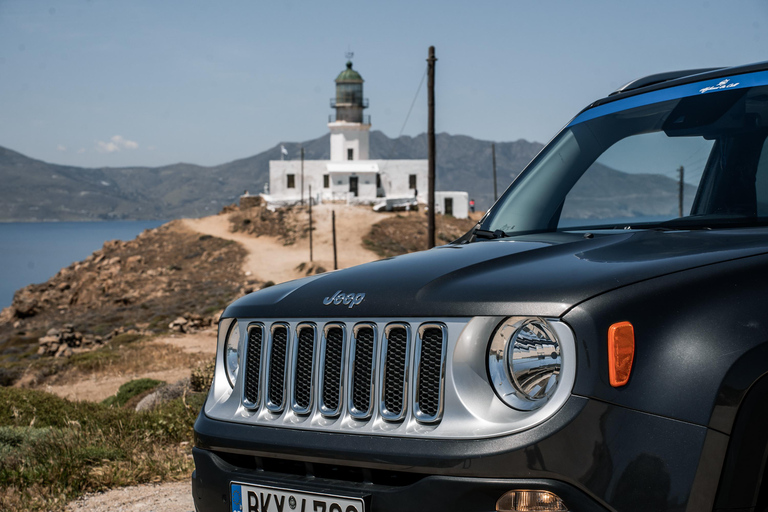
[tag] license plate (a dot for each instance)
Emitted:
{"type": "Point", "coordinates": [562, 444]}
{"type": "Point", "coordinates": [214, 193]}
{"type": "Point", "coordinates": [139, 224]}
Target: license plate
{"type": "Point", "coordinates": [257, 498]}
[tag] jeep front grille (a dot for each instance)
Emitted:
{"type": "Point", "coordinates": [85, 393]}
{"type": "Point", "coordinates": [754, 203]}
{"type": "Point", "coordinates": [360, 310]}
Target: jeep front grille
{"type": "Point", "coordinates": [355, 371]}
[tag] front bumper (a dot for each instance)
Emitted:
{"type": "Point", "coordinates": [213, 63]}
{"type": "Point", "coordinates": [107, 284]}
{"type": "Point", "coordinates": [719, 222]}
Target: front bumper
{"type": "Point", "coordinates": [594, 455]}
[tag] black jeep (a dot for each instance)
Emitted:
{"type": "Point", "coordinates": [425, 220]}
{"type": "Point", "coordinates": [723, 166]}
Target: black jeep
{"type": "Point", "coordinates": [599, 341]}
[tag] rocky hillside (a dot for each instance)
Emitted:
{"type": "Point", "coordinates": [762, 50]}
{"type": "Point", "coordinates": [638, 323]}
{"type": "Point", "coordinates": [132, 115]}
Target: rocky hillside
{"type": "Point", "coordinates": [167, 277]}
{"type": "Point", "coordinates": [36, 190]}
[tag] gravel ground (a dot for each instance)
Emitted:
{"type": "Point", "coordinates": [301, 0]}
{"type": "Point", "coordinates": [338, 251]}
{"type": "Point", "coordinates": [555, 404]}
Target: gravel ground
{"type": "Point", "coordinates": [170, 497]}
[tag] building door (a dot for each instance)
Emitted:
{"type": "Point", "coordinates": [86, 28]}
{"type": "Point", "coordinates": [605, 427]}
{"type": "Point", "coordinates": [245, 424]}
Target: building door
{"type": "Point", "coordinates": [353, 185]}
{"type": "Point", "coordinates": [449, 206]}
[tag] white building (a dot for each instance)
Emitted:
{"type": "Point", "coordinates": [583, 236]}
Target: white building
{"type": "Point", "coordinates": [349, 175]}
{"type": "Point", "coordinates": [452, 203]}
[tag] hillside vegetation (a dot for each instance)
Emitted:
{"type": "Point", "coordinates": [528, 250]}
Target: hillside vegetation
{"type": "Point", "coordinates": [136, 287]}
{"type": "Point", "coordinates": [407, 232]}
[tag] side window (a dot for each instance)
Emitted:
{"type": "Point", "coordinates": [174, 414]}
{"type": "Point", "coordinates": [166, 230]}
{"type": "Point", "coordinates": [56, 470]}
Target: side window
{"type": "Point", "coordinates": [326, 181]}
{"type": "Point", "coordinates": [412, 181]}
{"type": "Point", "coordinates": [638, 179]}
{"type": "Point", "coordinates": [350, 154]}
{"type": "Point", "coordinates": [291, 181]}
{"type": "Point", "coordinates": [761, 182]}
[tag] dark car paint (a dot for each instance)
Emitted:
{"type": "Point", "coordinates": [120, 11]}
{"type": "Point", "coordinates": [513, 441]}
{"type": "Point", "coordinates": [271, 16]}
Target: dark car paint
{"type": "Point", "coordinates": [685, 293]}
{"type": "Point", "coordinates": [543, 275]}
{"type": "Point", "coordinates": [691, 328]}
{"type": "Point", "coordinates": [431, 493]}
{"type": "Point", "coordinates": [593, 446]}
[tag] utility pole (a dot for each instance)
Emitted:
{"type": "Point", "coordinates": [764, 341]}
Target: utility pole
{"type": "Point", "coordinates": [431, 145]}
{"type": "Point", "coordinates": [302, 176]}
{"type": "Point", "coordinates": [333, 227]}
{"type": "Point", "coordinates": [681, 170]}
{"type": "Point", "coordinates": [310, 223]}
{"type": "Point", "coordinates": [493, 158]}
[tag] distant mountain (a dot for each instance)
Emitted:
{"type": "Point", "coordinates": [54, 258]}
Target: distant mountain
{"type": "Point", "coordinates": [35, 190]}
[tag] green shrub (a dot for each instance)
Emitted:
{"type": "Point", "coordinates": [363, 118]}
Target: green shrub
{"type": "Point", "coordinates": [130, 390]}
{"type": "Point", "coordinates": [124, 339]}
{"type": "Point", "coordinates": [202, 376]}
{"type": "Point", "coordinates": [53, 450]}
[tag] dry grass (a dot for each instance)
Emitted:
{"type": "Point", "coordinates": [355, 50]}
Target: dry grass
{"type": "Point", "coordinates": [288, 224]}
{"type": "Point", "coordinates": [53, 450]}
{"type": "Point", "coordinates": [407, 232]}
{"type": "Point", "coordinates": [139, 356]}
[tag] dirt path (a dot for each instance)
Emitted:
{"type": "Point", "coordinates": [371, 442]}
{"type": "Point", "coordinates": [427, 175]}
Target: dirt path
{"type": "Point", "coordinates": [99, 386]}
{"type": "Point", "coordinates": [269, 260]}
{"type": "Point", "coordinates": [170, 497]}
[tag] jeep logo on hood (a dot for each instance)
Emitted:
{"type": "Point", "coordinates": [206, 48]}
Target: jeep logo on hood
{"type": "Point", "coordinates": [348, 299]}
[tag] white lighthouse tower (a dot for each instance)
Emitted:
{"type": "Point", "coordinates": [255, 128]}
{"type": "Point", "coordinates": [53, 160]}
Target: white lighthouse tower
{"type": "Point", "coordinates": [349, 127]}
{"type": "Point", "coordinates": [349, 176]}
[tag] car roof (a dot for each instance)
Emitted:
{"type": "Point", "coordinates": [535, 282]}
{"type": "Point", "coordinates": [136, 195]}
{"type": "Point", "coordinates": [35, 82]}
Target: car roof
{"type": "Point", "coordinates": [675, 78]}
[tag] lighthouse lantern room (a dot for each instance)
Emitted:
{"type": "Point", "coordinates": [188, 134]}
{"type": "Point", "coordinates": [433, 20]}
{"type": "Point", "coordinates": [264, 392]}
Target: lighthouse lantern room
{"type": "Point", "coordinates": [349, 127]}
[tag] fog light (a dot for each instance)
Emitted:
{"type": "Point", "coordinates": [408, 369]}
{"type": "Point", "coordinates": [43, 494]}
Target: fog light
{"type": "Point", "coordinates": [530, 501]}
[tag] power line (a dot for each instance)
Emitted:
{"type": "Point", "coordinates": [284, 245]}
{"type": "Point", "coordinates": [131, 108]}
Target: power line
{"type": "Point", "coordinates": [402, 129]}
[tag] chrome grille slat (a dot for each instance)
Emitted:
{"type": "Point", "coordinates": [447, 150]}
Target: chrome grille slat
{"type": "Point", "coordinates": [362, 366]}
{"type": "Point", "coordinates": [430, 367]}
{"type": "Point", "coordinates": [395, 353]}
{"type": "Point", "coordinates": [332, 366]}
{"type": "Point", "coordinates": [303, 369]}
{"type": "Point", "coordinates": [278, 352]}
{"type": "Point", "coordinates": [253, 366]}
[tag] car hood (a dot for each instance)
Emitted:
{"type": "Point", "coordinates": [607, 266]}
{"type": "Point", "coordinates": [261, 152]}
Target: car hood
{"type": "Point", "coordinates": [543, 275]}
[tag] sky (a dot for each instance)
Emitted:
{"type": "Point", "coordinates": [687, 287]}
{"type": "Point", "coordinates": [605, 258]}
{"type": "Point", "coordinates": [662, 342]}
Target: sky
{"type": "Point", "coordinates": [97, 83]}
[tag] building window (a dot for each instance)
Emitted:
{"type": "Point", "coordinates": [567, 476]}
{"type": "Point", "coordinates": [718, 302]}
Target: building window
{"type": "Point", "coordinates": [326, 181]}
{"type": "Point", "coordinates": [350, 154]}
{"type": "Point", "coordinates": [412, 181]}
{"type": "Point", "coordinates": [378, 180]}
{"type": "Point", "coordinates": [291, 181]}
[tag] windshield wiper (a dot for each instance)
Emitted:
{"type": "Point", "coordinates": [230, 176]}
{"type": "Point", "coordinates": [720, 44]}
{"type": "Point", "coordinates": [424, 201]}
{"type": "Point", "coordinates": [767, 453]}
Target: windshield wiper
{"type": "Point", "coordinates": [490, 235]}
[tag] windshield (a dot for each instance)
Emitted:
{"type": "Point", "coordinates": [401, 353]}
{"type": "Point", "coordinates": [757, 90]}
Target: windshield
{"type": "Point", "coordinates": [690, 156]}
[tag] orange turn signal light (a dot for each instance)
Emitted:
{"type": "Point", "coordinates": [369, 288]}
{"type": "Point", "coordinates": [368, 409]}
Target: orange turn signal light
{"type": "Point", "coordinates": [621, 352]}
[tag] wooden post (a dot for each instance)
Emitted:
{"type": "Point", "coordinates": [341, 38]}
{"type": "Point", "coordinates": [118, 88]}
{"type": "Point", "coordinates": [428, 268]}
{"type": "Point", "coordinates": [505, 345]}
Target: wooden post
{"type": "Point", "coordinates": [302, 176]}
{"type": "Point", "coordinates": [333, 227]}
{"type": "Point", "coordinates": [310, 223]}
{"type": "Point", "coordinates": [431, 146]}
{"type": "Point", "coordinates": [681, 170]}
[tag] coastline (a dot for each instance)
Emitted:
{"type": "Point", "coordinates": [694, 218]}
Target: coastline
{"type": "Point", "coordinates": [34, 251]}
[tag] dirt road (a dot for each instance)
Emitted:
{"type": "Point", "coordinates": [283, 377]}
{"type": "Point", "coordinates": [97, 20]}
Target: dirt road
{"type": "Point", "coordinates": [169, 497]}
{"type": "Point", "coordinates": [269, 260]}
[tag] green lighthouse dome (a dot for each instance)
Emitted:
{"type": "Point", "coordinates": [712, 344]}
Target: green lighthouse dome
{"type": "Point", "coordinates": [349, 75]}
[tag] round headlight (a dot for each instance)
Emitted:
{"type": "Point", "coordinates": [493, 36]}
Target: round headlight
{"type": "Point", "coordinates": [232, 353]}
{"type": "Point", "coordinates": [524, 362]}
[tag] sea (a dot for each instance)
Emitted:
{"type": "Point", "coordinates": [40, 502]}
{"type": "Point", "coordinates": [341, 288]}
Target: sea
{"type": "Point", "coordinates": [33, 252]}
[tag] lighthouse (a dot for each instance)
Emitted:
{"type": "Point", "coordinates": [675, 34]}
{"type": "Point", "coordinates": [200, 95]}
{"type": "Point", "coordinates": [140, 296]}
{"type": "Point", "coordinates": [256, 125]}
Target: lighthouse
{"type": "Point", "coordinates": [349, 176]}
{"type": "Point", "coordinates": [349, 126]}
